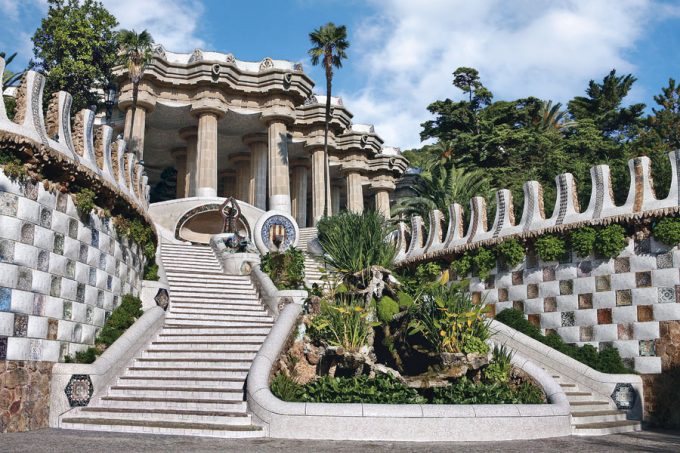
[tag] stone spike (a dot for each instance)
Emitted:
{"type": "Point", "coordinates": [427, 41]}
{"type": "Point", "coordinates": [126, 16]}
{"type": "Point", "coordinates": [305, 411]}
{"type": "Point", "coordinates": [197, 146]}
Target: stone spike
{"type": "Point", "coordinates": [137, 179]}
{"type": "Point", "coordinates": [673, 198]}
{"type": "Point", "coordinates": [566, 203]}
{"type": "Point", "coordinates": [147, 191]}
{"type": "Point", "coordinates": [3, 111]}
{"type": "Point", "coordinates": [129, 160]}
{"type": "Point", "coordinates": [455, 230]}
{"type": "Point", "coordinates": [477, 219]}
{"type": "Point", "coordinates": [402, 241]}
{"type": "Point", "coordinates": [117, 162]}
{"type": "Point", "coordinates": [533, 211]}
{"type": "Point", "coordinates": [29, 113]}
{"type": "Point", "coordinates": [106, 133]}
{"type": "Point", "coordinates": [83, 138]}
{"type": "Point", "coordinates": [505, 214]}
{"type": "Point", "coordinates": [417, 236]}
{"type": "Point", "coordinates": [645, 198]}
{"type": "Point", "coordinates": [435, 238]}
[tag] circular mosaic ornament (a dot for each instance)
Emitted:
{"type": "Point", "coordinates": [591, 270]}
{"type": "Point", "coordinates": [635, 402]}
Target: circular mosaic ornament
{"type": "Point", "coordinates": [276, 231]}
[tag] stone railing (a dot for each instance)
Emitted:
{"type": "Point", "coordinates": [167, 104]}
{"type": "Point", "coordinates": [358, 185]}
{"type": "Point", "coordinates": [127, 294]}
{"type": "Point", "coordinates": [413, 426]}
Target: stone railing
{"type": "Point", "coordinates": [74, 152]}
{"type": "Point", "coordinates": [446, 240]}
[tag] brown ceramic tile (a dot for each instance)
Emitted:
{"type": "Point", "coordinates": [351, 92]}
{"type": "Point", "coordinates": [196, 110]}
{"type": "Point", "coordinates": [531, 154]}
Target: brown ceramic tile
{"type": "Point", "coordinates": [566, 287]}
{"type": "Point", "coordinates": [491, 310]}
{"type": "Point", "coordinates": [645, 313]}
{"type": "Point", "coordinates": [625, 331]}
{"type": "Point", "coordinates": [585, 300]}
{"type": "Point", "coordinates": [490, 282]}
{"type": "Point", "coordinates": [517, 278]}
{"type": "Point", "coordinates": [586, 333]}
{"type": "Point", "coordinates": [677, 294]}
{"type": "Point", "coordinates": [622, 265]}
{"type": "Point", "coordinates": [624, 297]}
{"type": "Point", "coordinates": [476, 297]}
{"type": "Point", "coordinates": [52, 327]}
{"type": "Point", "coordinates": [549, 274]}
{"type": "Point", "coordinates": [602, 283]}
{"type": "Point", "coordinates": [532, 291]}
{"type": "Point", "coordinates": [643, 279]}
{"type": "Point", "coordinates": [518, 305]}
{"type": "Point", "coordinates": [604, 316]}
{"type": "Point", "coordinates": [550, 332]}
{"type": "Point", "coordinates": [502, 294]}
{"type": "Point", "coordinates": [549, 304]}
{"type": "Point", "coordinates": [535, 320]}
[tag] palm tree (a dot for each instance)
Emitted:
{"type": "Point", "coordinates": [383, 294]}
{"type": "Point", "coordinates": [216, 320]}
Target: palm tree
{"type": "Point", "coordinates": [10, 78]}
{"type": "Point", "coordinates": [438, 186]}
{"type": "Point", "coordinates": [552, 117]}
{"type": "Point", "coordinates": [135, 52]}
{"type": "Point", "coordinates": [330, 45]}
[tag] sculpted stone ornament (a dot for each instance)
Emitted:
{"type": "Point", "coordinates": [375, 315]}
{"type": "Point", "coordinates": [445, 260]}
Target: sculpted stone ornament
{"type": "Point", "coordinates": [79, 390]}
{"type": "Point", "coordinates": [267, 63]}
{"type": "Point", "coordinates": [275, 232]}
{"type": "Point", "coordinates": [162, 298]}
{"type": "Point", "coordinates": [230, 58]}
{"type": "Point", "coordinates": [197, 55]}
{"type": "Point", "coordinates": [231, 214]}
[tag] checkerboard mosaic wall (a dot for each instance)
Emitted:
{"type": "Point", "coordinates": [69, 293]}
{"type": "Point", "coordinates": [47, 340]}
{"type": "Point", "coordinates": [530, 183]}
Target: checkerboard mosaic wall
{"type": "Point", "coordinates": [617, 302]}
{"type": "Point", "coordinates": [60, 275]}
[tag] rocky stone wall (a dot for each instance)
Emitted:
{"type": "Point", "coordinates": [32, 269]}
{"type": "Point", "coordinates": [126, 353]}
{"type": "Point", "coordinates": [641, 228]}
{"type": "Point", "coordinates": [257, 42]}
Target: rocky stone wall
{"type": "Point", "coordinates": [24, 395]}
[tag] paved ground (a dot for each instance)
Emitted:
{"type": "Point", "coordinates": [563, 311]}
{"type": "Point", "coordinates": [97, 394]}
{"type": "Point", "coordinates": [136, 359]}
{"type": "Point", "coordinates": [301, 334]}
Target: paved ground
{"type": "Point", "coordinates": [54, 440]}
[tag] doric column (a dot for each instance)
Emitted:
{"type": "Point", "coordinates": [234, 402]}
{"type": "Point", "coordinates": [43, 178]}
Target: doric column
{"type": "Point", "coordinates": [206, 156]}
{"type": "Point", "coordinates": [227, 183]}
{"type": "Point", "coordinates": [190, 135]}
{"type": "Point", "coordinates": [241, 164]}
{"type": "Point", "coordinates": [335, 199]}
{"type": "Point", "coordinates": [180, 155]}
{"type": "Point", "coordinates": [136, 142]}
{"type": "Point", "coordinates": [355, 193]}
{"type": "Point", "coordinates": [257, 190]}
{"type": "Point", "coordinates": [381, 186]}
{"type": "Point", "coordinates": [298, 194]}
{"type": "Point", "coordinates": [318, 185]}
{"type": "Point", "coordinates": [279, 186]}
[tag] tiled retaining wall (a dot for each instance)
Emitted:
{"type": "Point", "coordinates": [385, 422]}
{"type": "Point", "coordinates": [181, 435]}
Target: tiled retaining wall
{"type": "Point", "coordinates": [25, 395]}
{"type": "Point", "coordinates": [618, 302]}
{"type": "Point", "coordinates": [60, 275]}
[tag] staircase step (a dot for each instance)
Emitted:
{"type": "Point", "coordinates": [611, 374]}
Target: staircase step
{"type": "Point", "coordinates": [187, 307]}
{"type": "Point", "coordinates": [590, 405]}
{"type": "Point", "coordinates": [162, 427]}
{"type": "Point", "coordinates": [199, 323]}
{"type": "Point", "coordinates": [602, 428]}
{"type": "Point", "coordinates": [578, 396]}
{"type": "Point", "coordinates": [237, 345]}
{"type": "Point", "coordinates": [217, 354]}
{"type": "Point", "coordinates": [179, 291]}
{"type": "Point", "coordinates": [196, 393]}
{"type": "Point", "coordinates": [214, 330]}
{"type": "Point", "coordinates": [191, 363]}
{"type": "Point", "coordinates": [215, 317]}
{"type": "Point", "coordinates": [226, 337]}
{"type": "Point", "coordinates": [125, 402]}
{"type": "Point", "coordinates": [157, 381]}
{"type": "Point", "coordinates": [170, 415]}
{"type": "Point", "coordinates": [216, 301]}
{"type": "Point", "coordinates": [223, 373]}
{"type": "Point", "coordinates": [579, 418]}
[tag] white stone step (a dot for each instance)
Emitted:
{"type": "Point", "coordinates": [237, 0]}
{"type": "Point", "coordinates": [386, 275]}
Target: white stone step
{"type": "Point", "coordinates": [593, 405]}
{"type": "Point", "coordinates": [205, 283]}
{"type": "Point", "coordinates": [604, 428]}
{"type": "Point", "coordinates": [162, 428]}
{"type": "Point", "coordinates": [188, 307]}
{"type": "Point", "coordinates": [198, 323]}
{"type": "Point", "coordinates": [195, 393]}
{"type": "Point", "coordinates": [191, 363]}
{"type": "Point", "coordinates": [198, 330]}
{"type": "Point", "coordinates": [241, 299]}
{"type": "Point", "coordinates": [243, 346]}
{"type": "Point", "coordinates": [212, 338]}
{"type": "Point", "coordinates": [175, 381]}
{"type": "Point", "coordinates": [217, 354]}
{"type": "Point", "coordinates": [170, 403]}
{"type": "Point", "coordinates": [574, 396]}
{"type": "Point", "coordinates": [213, 317]}
{"type": "Point", "coordinates": [176, 415]}
{"type": "Point", "coordinates": [610, 415]}
{"type": "Point", "coordinates": [186, 372]}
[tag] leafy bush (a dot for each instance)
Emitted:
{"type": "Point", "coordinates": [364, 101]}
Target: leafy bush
{"type": "Point", "coordinates": [353, 242]}
{"type": "Point", "coordinates": [607, 361]}
{"type": "Point", "coordinates": [510, 252]}
{"type": "Point", "coordinates": [121, 318]}
{"type": "Point", "coordinates": [12, 166]}
{"type": "Point", "coordinates": [387, 308]}
{"type": "Point", "coordinates": [583, 241]}
{"type": "Point", "coordinates": [667, 231]}
{"type": "Point", "coordinates": [465, 391]}
{"type": "Point", "coordinates": [151, 271]}
{"type": "Point", "coordinates": [139, 232]}
{"type": "Point", "coordinates": [286, 388]}
{"type": "Point", "coordinates": [499, 369]}
{"type": "Point", "coordinates": [428, 272]}
{"type": "Point", "coordinates": [84, 201]}
{"type": "Point", "coordinates": [345, 324]}
{"type": "Point", "coordinates": [611, 240]}
{"type": "Point", "coordinates": [287, 269]}
{"type": "Point", "coordinates": [10, 106]}
{"type": "Point", "coordinates": [382, 389]}
{"type": "Point", "coordinates": [405, 300]}
{"type": "Point", "coordinates": [550, 248]}
{"type": "Point", "coordinates": [462, 265]}
{"type": "Point", "coordinates": [484, 261]}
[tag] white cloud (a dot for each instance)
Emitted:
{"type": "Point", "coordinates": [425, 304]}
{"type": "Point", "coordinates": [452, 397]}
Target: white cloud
{"type": "Point", "coordinates": [173, 23]}
{"type": "Point", "coordinates": [10, 9]}
{"type": "Point", "coordinates": [408, 50]}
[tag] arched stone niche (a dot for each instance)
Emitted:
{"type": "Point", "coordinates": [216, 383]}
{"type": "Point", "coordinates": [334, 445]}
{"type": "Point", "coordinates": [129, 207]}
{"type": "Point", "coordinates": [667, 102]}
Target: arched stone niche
{"type": "Point", "coordinates": [199, 224]}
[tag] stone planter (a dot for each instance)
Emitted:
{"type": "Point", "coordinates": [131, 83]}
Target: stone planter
{"type": "Point", "coordinates": [239, 263]}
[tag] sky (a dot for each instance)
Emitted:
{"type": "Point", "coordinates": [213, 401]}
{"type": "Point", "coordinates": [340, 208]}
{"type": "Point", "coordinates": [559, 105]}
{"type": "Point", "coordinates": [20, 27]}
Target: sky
{"type": "Point", "coordinates": [403, 52]}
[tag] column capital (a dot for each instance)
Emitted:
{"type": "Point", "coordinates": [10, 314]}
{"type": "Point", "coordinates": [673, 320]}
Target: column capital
{"type": "Point", "coordinates": [285, 116]}
{"type": "Point", "coordinates": [313, 144]}
{"type": "Point", "coordinates": [257, 137]}
{"type": "Point", "coordinates": [208, 106]}
{"type": "Point", "coordinates": [239, 158]}
{"type": "Point", "coordinates": [297, 163]}
{"type": "Point", "coordinates": [227, 172]}
{"type": "Point", "coordinates": [382, 184]}
{"type": "Point", "coordinates": [179, 152]}
{"type": "Point", "coordinates": [187, 132]}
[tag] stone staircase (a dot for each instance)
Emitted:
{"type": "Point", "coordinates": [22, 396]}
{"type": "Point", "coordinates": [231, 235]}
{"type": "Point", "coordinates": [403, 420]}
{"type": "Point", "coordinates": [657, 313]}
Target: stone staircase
{"type": "Point", "coordinates": [190, 379]}
{"type": "Point", "coordinates": [312, 264]}
{"type": "Point", "coordinates": [592, 415]}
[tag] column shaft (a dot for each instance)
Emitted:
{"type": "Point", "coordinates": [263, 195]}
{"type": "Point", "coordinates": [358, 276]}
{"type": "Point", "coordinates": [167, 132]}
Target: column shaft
{"type": "Point", "coordinates": [136, 143]}
{"type": "Point", "coordinates": [318, 185]}
{"type": "Point", "coordinates": [299, 196]}
{"type": "Point", "coordinates": [279, 186]}
{"type": "Point", "coordinates": [335, 200]}
{"type": "Point", "coordinates": [257, 193]}
{"type": "Point", "coordinates": [181, 166]}
{"type": "Point", "coordinates": [207, 155]}
{"type": "Point", "coordinates": [355, 195]}
{"type": "Point", "coordinates": [382, 203]}
{"type": "Point", "coordinates": [192, 167]}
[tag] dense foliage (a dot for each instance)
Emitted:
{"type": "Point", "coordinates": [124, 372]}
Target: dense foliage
{"type": "Point", "coordinates": [121, 318]}
{"type": "Point", "coordinates": [510, 252]}
{"type": "Point", "coordinates": [667, 231]}
{"type": "Point", "coordinates": [145, 237]}
{"type": "Point", "coordinates": [286, 269]}
{"type": "Point", "coordinates": [466, 391]}
{"type": "Point", "coordinates": [550, 247]}
{"type": "Point", "coordinates": [343, 324]}
{"type": "Point", "coordinates": [611, 240]}
{"type": "Point", "coordinates": [583, 240]}
{"type": "Point", "coordinates": [607, 360]}
{"type": "Point", "coordinates": [85, 201]}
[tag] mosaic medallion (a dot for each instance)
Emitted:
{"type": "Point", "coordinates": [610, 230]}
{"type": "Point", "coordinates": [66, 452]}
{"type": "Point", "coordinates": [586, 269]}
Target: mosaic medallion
{"type": "Point", "coordinates": [624, 395]}
{"type": "Point", "coordinates": [79, 390]}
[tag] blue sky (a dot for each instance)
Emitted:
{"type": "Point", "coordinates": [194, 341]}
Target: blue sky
{"type": "Point", "coordinates": [404, 51]}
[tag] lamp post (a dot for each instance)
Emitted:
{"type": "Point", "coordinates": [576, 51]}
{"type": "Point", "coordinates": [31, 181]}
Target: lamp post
{"type": "Point", "coordinates": [110, 99]}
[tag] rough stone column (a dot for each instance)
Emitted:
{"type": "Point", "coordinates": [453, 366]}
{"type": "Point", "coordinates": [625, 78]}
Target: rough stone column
{"type": "Point", "coordinates": [382, 203]}
{"type": "Point", "coordinates": [180, 155]}
{"type": "Point", "coordinates": [257, 190]}
{"type": "Point", "coordinates": [241, 164]}
{"type": "Point", "coordinates": [355, 193]}
{"type": "Point", "coordinates": [190, 135]}
{"type": "Point", "coordinates": [299, 194]}
{"type": "Point", "coordinates": [137, 141]}
{"type": "Point", "coordinates": [206, 156]}
{"type": "Point", "coordinates": [381, 186]}
{"type": "Point", "coordinates": [335, 199]}
{"type": "Point", "coordinates": [279, 185]}
{"type": "Point", "coordinates": [227, 183]}
{"type": "Point", "coordinates": [318, 185]}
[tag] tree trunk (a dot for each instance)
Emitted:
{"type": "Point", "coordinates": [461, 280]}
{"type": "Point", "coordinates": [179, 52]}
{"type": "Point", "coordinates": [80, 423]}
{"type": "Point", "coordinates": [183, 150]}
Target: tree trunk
{"type": "Point", "coordinates": [327, 177]}
{"type": "Point", "coordinates": [132, 146]}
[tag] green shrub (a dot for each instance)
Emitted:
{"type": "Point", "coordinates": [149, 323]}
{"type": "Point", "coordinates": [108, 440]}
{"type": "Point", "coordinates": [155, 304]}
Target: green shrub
{"type": "Point", "coordinates": [611, 240]}
{"type": "Point", "coordinates": [606, 361]}
{"type": "Point", "coordinates": [465, 391]}
{"type": "Point", "coordinates": [84, 201]}
{"type": "Point", "coordinates": [510, 252]}
{"type": "Point", "coordinates": [287, 269]}
{"type": "Point", "coordinates": [10, 106]}
{"type": "Point", "coordinates": [139, 232]}
{"type": "Point", "coordinates": [583, 241]}
{"type": "Point", "coordinates": [428, 272]}
{"type": "Point", "coordinates": [387, 308]}
{"type": "Point", "coordinates": [550, 248]}
{"type": "Point", "coordinates": [151, 271]}
{"type": "Point", "coordinates": [383, 389]}
{"type": "Point", "coordinates": [462, 265]}
{"type": "Point", "coordinates": [345, 324]}
{"type": "Point", "coordinates": [12, 166]}
{"type": "Point", "coordinates": [88, 355]}
{"type": "Point", "coordinates": [286, 388]}
{"type": "Point", "coordinates": [353, 242]}
{"type": "Point", "coordinates": [474, 345]}
{"type": "Point", "coordinates": [405, 300]}
{"type": "Point", "coordinates": [484, 261]}
{"type": "Point", "coordinates": [667, 231]}
{"type": "Point", "coordinates": [499, 369]}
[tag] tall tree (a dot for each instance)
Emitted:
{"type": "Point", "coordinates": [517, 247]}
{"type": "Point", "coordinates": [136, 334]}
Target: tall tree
{"type": "Point", "coordinates": [135, 52]}
{"type": "Point", "coordinates": [75, 47]}
{"type": "Point", "coordinates": [10, 78]}
{"type": "Point", "coordinates": [330, 46]}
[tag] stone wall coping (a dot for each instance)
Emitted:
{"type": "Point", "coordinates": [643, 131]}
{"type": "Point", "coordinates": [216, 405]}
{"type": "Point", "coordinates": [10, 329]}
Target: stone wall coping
{"type": "Point", "coordinates": [270, 294]}
{"type": "Point", "coordinates": [108, 366]}
{"type": "Point", "coordinates": [596, 381]}
{"type": "Point", "coordinates": [415, 422]}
